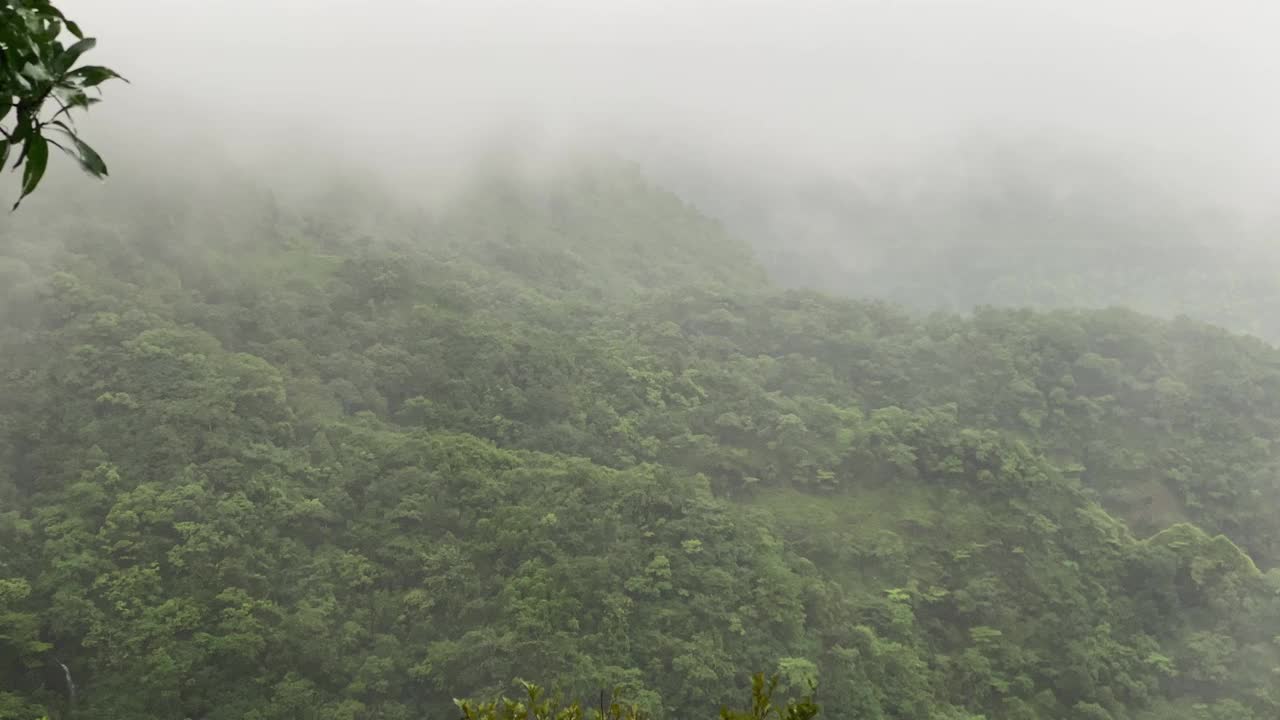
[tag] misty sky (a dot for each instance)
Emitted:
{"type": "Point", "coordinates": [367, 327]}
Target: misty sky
{"type": "Point", "coordinates": [1194, 84]}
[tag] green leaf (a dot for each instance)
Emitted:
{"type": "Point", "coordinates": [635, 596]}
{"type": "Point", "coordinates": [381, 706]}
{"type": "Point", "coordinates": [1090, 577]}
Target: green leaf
{"type": "Point", "coordinates": [11, 55]}
{"type": "Point", "coordinates": [37, 158]}
{"type": "Point", "coordinates": [73, 97]}
{"type": "Point", "coordinates": [23, 128]}
{"type": "Point", "coordinates": [74, 28]}
{"type": "Point", "coordinates": [37, 73]}
{"type": "Point", "coordinates": [52, 32]}
{"type": "Point", "coordinates": [93, 75]}
{"type": "Point", "coordinates": [68, 58]}
{"type": "Point", "coordinates": [4, 152]}
{"type": "Point", "coordinates": [46, 7]}
{"type": "Point", "coordinates": [90, 160]}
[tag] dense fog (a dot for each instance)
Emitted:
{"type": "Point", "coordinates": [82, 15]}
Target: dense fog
{"type": "Point", "coordinates": [817, 87]}
{"type": "Point", "coordinates": [867, 360]}
{"type": "Point", "coordinates": [843, 139]}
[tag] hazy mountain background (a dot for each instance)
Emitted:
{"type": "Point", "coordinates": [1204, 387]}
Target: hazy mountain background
{"type": "Point", "coordinates": [918, 349]}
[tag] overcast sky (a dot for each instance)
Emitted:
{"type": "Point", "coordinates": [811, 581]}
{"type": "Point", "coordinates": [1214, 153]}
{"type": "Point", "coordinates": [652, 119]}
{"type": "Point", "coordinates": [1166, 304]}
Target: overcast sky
{"type": "Point", "coordinates": [1192, 82]}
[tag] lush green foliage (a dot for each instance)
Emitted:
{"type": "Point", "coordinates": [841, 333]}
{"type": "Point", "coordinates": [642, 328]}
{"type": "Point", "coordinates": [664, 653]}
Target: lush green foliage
{"type": "Point", "coordinates": [36, 67]}
{"type": "Point", "coordinates": [538, 706]}
{"type": "Point", "coordinates": [263, 461]}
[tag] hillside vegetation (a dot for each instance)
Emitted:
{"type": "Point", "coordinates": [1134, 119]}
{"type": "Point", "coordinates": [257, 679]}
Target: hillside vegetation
{"type": "Point", "coordinates": [333, 458]}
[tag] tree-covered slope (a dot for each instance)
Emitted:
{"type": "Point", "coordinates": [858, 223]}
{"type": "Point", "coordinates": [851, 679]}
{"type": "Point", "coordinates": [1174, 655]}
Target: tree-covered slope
{"type": "Point", "coordinates": [281, 460]}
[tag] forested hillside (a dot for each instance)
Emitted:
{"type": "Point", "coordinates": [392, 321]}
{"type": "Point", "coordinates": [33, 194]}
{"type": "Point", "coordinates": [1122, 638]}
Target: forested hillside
{"type": "Point", "coordinates": [340, 458]}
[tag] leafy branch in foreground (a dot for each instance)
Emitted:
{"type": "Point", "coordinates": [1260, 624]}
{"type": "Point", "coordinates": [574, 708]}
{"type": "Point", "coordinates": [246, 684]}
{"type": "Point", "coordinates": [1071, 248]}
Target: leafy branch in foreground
{"type": "Point", "coordinates": [36, 68]}
{"type": "Point", "coordinates": [537, 705]}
